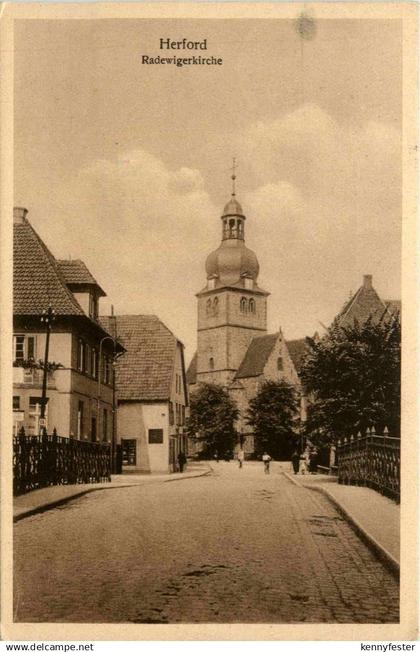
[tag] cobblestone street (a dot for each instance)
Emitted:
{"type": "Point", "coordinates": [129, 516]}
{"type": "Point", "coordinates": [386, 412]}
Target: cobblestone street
{"type": "Point", "coordinates": [235, 546]}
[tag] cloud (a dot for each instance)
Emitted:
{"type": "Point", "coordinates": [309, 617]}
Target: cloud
{"type": "Point", "coordinates": [143, 229]}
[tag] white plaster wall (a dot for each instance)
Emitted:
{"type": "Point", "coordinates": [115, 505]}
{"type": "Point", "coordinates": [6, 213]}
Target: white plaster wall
{"type": "Point", "coordinates": [133, 422]}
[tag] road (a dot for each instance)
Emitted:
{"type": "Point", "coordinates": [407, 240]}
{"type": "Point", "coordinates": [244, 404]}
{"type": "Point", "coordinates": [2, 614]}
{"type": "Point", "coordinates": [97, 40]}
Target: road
{"type": "Point", "coordinates": [235, 546]}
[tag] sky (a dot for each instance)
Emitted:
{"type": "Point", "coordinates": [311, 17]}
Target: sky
{"type": "Point", "coordinates": [127, 166]}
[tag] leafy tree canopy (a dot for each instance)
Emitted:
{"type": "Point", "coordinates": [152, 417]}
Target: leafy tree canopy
{"type": "Point", "coordinates": [352, 376]}
{"type": "Point", "coordinates": [212, 418]}
{"type": "Point", "coordinates": [273, 414]}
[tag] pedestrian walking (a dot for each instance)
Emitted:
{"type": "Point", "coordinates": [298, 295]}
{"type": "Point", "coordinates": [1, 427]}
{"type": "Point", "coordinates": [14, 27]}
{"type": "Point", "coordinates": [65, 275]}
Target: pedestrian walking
{"type": "Point", "coordinates": [266, 459]}
{"type": "Point", "coordinates": [182, 460]}
{"type": "Point", "coordinates": [241, 458]}
{"type": "Point", "coordinates": [313, 460]}
{"type": "Point", "coordinates": [295, 462]}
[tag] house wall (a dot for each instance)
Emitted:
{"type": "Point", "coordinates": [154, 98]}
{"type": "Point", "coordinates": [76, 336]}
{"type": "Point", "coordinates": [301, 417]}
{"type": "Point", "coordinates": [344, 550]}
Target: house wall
{"type": "Point", "coordinates": [66, 387]}
{"type": "Point", "coordinates": [134, 421]}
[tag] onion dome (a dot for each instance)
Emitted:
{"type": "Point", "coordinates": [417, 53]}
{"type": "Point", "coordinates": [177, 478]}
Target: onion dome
{"type": "Point", "coordinates": [232, 262]}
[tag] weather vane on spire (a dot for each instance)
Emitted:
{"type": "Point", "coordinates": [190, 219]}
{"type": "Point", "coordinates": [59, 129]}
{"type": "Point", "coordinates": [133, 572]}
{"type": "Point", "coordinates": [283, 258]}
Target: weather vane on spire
{"type": "Point", "coordinates": [233, 177]}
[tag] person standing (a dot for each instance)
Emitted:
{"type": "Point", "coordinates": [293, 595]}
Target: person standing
{"type": "Point", "coordinates": [266, 459]}
{"type": "Point", "coordinates": [241, 458]}
{"type": "Point", "coordinates": [182, 460]}
{"type": "Point", "coordinates": [295, 462]}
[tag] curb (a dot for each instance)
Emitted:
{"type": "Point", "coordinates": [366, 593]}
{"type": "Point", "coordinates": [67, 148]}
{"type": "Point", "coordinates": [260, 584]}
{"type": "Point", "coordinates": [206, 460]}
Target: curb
{"type": "Point", "coordinates": [386, 558]}
{"type": "Point", "coordinates": [31, 511]}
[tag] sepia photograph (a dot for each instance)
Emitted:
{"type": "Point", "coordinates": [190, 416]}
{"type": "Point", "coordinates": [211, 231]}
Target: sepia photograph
{"type": "Point", "coordinates": [204, 395]}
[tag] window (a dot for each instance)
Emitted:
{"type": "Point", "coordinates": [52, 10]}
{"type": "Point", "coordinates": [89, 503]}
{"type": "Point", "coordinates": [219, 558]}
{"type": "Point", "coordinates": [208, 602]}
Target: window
{"type": "Point", "coordinates": [93, 429]}
{"type": "Point", "coordinates": [156, 436]}
{"type": "Point", "coordinates": [24, 347]}
{"type": "Point", "coordinates": [252, 305]}
{"type": "Point", "coordinates": [208, 307]}
{"type": "Point", "coordinates": [182, 415]}
{"type": "Point", "coordinates": [211, 363]}
{"type": "Point", "coordinates": [19, 347]}
{"type": "Point", "coordinates": [81, 352]}
{"type": "Point", "coordinates": [215, 306]}
{"type": "Point", "coordinates": [87, 359]}
{"type": "Point", "coordinates": [171, 413]}
{"type": "Point", "coordinates": [244, 305]}
{"type": "Point", "coordinates": [94, 363]}
{"type": "Point", "coordinates": [80, 420]}
{"type": "Point", "coordinates": [16, 402]}
{"type": "Point", "coordinates": [93, 306]}
{"type": "Point", "coordinates": [34, 415]}
{"type": "Point", "coordinates": [280, 363]}
{"type": "Point", "coordinates": [129, 447]}
{"type": "Point", "coordinates": [177, 414]}
{"type": "Point", "coordinates": [105, 425]}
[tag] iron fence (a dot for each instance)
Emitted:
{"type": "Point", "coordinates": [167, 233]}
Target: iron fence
{"type": "Point", "coordinates": [47, 460]}
{"type": "Point", "coordinates": [370, 460]}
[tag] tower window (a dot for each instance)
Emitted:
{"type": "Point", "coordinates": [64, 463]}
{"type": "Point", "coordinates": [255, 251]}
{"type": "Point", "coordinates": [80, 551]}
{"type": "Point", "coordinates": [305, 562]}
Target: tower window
{"type": "Point", "coordinates": [252, 305]}
{"type": "Point", "coordinates": [216, 306]}
{"type": "Point", "coordinates": [211, 363]}
{"type": "Point", "coordinates": [208, 307]}
{"type": "Point", "coordinates": [244, 305]}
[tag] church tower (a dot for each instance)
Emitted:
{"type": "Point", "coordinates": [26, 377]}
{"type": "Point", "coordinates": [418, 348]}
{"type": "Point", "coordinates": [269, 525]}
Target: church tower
{"type": "Point", "coordinates": [232, 309]}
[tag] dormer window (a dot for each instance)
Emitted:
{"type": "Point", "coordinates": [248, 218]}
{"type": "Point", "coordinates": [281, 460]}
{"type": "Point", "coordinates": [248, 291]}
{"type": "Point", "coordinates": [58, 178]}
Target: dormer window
{"type": "Point", "coordinates": [279, 363]}
{"type": "Point", "coordinates": [211, 364]}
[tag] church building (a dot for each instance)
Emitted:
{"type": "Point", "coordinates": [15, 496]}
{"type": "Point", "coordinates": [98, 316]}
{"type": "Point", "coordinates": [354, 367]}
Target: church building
{"type": "Point", "coordinates": [234, 349]}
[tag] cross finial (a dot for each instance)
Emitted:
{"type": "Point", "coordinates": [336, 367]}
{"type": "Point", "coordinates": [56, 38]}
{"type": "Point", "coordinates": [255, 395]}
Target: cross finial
{"type": "Point", "coordinates": [233, 177]}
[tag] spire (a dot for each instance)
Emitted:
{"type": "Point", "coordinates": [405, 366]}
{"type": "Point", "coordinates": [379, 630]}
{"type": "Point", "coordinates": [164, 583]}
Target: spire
{"type": "Point", "coordinates": [233, 177]}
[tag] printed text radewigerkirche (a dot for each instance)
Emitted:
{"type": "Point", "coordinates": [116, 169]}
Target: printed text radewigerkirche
{"type": "Point", "coordinates": [185, 44]}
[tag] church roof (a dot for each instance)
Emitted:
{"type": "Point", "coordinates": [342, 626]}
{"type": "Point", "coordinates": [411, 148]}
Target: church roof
{"type": "Point", "coordinates": [145, 371]}
{"type": "Point", "coordinates": [297, 350]}
{"type": "Point", "coordinates": [256, 356]}
{"type": "Point", "coordinates": [75, 272]}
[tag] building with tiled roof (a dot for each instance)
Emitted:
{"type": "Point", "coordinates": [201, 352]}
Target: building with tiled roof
{"type": "Point", "coordinates": [79, 345]}
{"type": "Point", "coordinates": [152, 393]}
{"type": "Point", "coordinates": [364, 304]}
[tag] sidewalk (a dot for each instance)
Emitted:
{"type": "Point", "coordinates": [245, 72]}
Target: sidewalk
{"type": "Point", "coordinates": [375, 517]}
{"type": "Point", "coordinates": [40, 500]}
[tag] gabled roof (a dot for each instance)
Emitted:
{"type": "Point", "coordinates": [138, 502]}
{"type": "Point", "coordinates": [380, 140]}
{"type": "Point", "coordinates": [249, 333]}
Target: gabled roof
{"type": "Point", "coordinates": [256, 356]}
{"type": "Point", "coordinates": [37, 280]}
{"type": "Point", "coordinates": [192, 370]}
{"type": "Point", "coordinates": [363, 304]}
{"type": "Point", "coordinates": [297, 350]}
{"type": "Point", "coordinates": [145, 371]}
{"type": "Point", "coordinates": [75, 272]}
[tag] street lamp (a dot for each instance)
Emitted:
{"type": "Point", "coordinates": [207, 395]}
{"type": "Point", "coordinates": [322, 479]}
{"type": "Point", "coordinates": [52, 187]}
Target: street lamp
{"type": "Point", "coordinates": [114, 360]}
{"type": "Point", "coordinates": [47, 318]}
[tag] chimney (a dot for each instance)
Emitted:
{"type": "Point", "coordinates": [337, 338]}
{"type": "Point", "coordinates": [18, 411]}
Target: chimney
{"type": "Point", "coordinates": [19, 215]}
{"type": "Point", "coordinates": [367, 281]}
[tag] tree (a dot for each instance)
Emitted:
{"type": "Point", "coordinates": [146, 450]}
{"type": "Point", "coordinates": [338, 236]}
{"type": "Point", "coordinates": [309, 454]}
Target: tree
{"type": "Point", "coordinates": [353, 378]}
{"type": "Point", "coordinates": [273, 414]}
{"type": "Point", "coordinates": [212, 418]}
